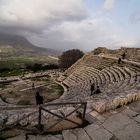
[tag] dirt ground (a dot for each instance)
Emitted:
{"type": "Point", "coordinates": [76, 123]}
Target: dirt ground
{"type": "Point", "coordinates": [23, 92]}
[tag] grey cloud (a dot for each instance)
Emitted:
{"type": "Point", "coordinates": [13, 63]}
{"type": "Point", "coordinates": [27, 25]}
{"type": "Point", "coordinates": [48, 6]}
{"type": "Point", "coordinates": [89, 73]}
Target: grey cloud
{"type": "Point", "coordinates": [65, 25]}
{"type": "Point", "coordinates": [34, 16]}
{"type": "Point", "coordinates": [22, 18]}
{"type": "Point", "coordinates": [86, 34]}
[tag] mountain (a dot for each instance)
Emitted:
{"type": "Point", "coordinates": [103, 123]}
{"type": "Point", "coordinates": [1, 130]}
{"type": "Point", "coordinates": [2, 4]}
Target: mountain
{"type": "Point", "coordinates": [17, 52]}
{"type": "Point", "coordinates": [15, 45]}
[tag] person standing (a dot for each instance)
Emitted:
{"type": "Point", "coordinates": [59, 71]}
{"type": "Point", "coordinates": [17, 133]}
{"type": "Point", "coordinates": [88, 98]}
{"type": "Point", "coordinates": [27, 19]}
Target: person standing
{"type": "Point", "coordinates": [39, 98]}
{"type": "Point", "coordinates": [123, 56]}
{"type": "Point", "coordinates": [119, 61]}
{"type": "Point", "coordinates": [92, 88]}
{"type": "Point", "coordinates": [33, 85]}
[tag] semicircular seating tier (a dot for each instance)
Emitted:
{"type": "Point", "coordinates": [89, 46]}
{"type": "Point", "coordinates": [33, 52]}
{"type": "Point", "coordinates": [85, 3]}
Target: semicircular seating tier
{"type": "Point", "coordinates": [119, 83]}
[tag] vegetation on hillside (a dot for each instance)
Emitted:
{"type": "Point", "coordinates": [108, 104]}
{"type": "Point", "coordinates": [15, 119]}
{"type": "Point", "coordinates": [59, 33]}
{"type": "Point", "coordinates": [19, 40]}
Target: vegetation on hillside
{"type": "Point", "coordinates": [70, 57]}
{"type": "Point", "coordinates": [38, 67]}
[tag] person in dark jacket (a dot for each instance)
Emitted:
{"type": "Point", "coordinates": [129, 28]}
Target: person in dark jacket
{"type": "Point", "coordinates": [123, 56]}
{"type": "Point", "coordinates": [97, 91]}
{"type": "Point", "coordinates": [92, 88]}
{"type": "Point", "coordinates": [33, 85]}
{"type": "Point", "coordinates": [119, 61]}
{"type": "Point", "coordinates": [39, 99]}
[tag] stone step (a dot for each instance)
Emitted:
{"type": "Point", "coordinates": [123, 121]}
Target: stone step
{"type": "Point", "coordinates": [115, 73]}
{"type": "Point", "coordinates": [47, 137]}
{"type": "Point", "coordinates": [37, 137]}
{"type": "Point", "coordinates": [96, 132]}
{"type": "Point", "coordinates": [20, 137]}
{"type": "Point", "coordinates": [75, 134]}
{"type": "Point", "coordinates": [119, 71]}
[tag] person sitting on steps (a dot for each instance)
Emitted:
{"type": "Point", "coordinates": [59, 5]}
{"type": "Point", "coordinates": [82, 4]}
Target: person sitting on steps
{"type": "Point", "coordinates": [97, 91]}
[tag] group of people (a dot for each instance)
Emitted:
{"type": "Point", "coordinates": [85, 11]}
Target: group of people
{"type": "Point", "coordinates": [94, 90]}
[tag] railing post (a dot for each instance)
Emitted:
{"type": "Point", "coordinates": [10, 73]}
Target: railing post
{"type": "Point", "coordinates": [84, 111]}
{"type": "Point", "coordinates": [26, 137]}
{"type": "Point", "coordinates": [39, 118]}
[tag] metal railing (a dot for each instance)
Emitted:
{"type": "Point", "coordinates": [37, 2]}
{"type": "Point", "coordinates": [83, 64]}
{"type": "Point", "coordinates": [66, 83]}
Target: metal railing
{"type": "Point", "coordinates": [79, 107]}
{"type": "Point", "coordinates": [61, 117]}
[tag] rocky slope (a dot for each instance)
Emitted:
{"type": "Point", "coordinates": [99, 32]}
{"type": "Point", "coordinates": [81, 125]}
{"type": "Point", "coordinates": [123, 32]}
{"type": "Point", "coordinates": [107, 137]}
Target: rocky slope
{"type": "Point", "coordinates": [14, 45]}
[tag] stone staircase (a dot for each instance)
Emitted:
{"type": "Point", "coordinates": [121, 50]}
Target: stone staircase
{"type": "Point", "coordinates": [90, 132]}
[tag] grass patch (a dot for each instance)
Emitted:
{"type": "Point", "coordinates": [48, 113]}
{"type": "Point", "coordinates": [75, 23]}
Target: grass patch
{"type": "Point", "coordinates": [22, 61]}
{"type": "Point", "coordinates": [46, 78]}
{"type": "Point", "coordinates": [58, 88]}
{"type": "Point", "coordinates": [11, 72]}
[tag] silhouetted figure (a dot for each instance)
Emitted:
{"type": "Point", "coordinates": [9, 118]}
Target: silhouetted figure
{"type": "Point", "coordinates": [39, 99]}
{"type": "Point", "coordinates": [90, 81]}
{"type": "Point", "coordinates": [92, 88]}
{"type": "Point", "coordinates": [119, 61]}
{"type": "Point", "coordinates": [136, 78]}
{"type": "Point", "coordinates": [123, 56]}
{"type": "Point", "coordinates": [97, 91]}
{"type": "Point", "coordinates": [33, 85]}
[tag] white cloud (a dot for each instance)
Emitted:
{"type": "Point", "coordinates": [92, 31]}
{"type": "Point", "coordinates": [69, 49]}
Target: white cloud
{"type": "Point", "coordinates": [108, 4]}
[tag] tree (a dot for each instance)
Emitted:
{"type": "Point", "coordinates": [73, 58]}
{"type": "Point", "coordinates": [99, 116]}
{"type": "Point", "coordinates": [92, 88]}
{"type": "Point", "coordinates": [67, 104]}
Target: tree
{"type": "Point", "coordinates": [36, 67]}
{"type": "Point", "coordinates": [70, 57]}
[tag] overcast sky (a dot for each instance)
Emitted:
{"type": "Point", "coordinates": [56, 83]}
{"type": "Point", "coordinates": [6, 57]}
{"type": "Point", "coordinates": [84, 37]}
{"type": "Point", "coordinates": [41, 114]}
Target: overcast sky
{"type": "Point", "coordinates": [66, 24]}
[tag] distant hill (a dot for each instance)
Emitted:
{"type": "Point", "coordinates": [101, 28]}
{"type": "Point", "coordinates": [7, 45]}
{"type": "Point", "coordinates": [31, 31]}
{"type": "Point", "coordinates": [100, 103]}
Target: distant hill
{"type": "Point", "coordinates": [16, 52]}
{"type": "Point", "coordinates": [14, 45]}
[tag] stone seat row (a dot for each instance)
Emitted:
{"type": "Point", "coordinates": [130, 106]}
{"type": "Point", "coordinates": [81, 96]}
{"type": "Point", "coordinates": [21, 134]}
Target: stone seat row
{"type": "Point", "coordinates": [112, 74]}
{"type": "Point", "coordinates": [114, 82]}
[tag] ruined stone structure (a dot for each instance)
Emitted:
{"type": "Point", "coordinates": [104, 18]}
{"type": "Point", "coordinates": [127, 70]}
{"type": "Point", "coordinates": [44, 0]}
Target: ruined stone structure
{"type": "Point", "coordinates": [119, 85]}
